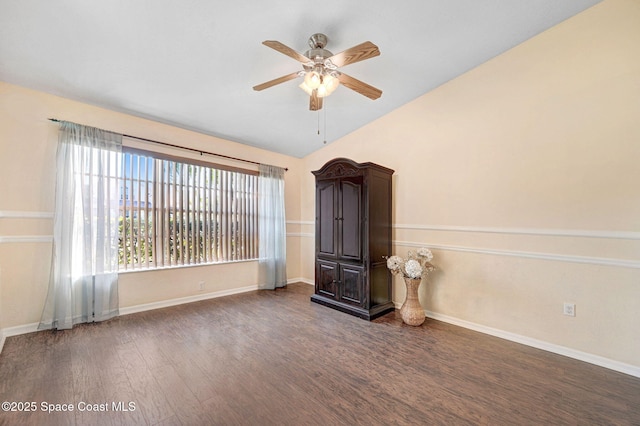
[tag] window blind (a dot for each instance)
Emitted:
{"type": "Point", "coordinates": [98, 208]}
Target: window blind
{"type": "Point", "coordinates": [175, 213]}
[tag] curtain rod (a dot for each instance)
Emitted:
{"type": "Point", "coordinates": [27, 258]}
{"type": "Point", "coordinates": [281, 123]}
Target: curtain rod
{"type": "Point", "coordinates": [201, 152]}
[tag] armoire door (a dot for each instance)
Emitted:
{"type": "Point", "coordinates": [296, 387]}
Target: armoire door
{"type": "Point", "coordinates": [350, 216]}
{"type": "Point", "coordinates": [327, 279]}
{"type": "Point", "coordinates": [351, 284]}
{"type": "Point", "coordinates": [326, 218]}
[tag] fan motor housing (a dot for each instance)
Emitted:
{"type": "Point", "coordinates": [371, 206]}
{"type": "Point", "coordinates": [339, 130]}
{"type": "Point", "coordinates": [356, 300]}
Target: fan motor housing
{"type": "Point", "coordinates": [318, 53]}
{"type": "Point", "coordinates": [318, 40]}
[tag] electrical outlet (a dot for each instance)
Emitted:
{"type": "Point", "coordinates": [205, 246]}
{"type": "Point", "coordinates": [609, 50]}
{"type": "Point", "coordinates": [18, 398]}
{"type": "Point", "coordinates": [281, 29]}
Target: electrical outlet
{"type": "Point", "coordinates": [201, 285]}
{"type": "Point", "coordinates": [569, 309]}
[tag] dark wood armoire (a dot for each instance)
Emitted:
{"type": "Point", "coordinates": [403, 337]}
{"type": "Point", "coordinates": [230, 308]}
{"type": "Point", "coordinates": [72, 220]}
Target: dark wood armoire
{"type": "Point", "coordinates": [353, 235]}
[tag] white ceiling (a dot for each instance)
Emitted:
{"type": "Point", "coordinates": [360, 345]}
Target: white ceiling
{"type": "Point", "coordinates": [193, 64]}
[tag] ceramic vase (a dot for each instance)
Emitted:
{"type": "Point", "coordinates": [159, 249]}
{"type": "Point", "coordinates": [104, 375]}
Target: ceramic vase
{"type": "Point", "coordinates": [411, 310]}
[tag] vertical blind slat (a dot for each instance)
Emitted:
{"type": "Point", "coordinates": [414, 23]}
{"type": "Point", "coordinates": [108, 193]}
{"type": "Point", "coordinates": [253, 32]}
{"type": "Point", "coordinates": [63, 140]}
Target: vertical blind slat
{"type": "Point", "coordinates": [158, 228]}
{"type": "Point", "coordinates": [223, 215]}
{"type": "Point", "coordinates": [196, 215]}
{"type": "Point", "coordinates": [216, 218]}
{"type": "Point", "coordinates": [175, 219]}
{"type": "Point", "coordinates": [137, 214]}
{"type": "Point", "coordinates": [122, 220]}
{"type": "Point", "coordinates": [181, 196]}
{"type": "Point", "coordinates": [232, 230]}
{"type": "Point", "coordinates": [147, 220]}
{"type": "Point", "coordinates": [207, 215]}
{"type": "Point", "coordinates": [130, 242]}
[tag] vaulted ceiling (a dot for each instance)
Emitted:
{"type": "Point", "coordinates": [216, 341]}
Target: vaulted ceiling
{"type": "Point", "coordinates": [193, 64]}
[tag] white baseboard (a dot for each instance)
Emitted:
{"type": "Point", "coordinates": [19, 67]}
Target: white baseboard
{"type": "Point", "coordinates": [611, 364]}
{"type": "Point", "coordinates": [182, 300]}
{"type": "Point", "coordinates": [629, 369]}
{"type": "Point", "coordinates": [31, 328]}
{"type": "Point", "coordinates": [300, 280]}
{"type": "Point", "coordinates": [19, 329]}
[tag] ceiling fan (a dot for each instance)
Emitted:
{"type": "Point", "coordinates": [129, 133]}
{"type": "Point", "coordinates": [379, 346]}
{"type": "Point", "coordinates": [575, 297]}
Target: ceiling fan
{"type": "Point", "coordinates": [320, 69]}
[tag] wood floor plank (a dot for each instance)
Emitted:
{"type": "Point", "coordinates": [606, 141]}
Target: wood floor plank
{"type": "Point", "coordinates": [185, 405]}
{"type": "Point", "coordinates": [274, 358]}
{"type": "Point", "coordinates": [149, 399]}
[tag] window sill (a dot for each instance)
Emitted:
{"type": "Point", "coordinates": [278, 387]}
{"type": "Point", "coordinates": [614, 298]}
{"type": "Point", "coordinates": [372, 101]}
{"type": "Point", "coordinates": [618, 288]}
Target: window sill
{"type": "Point", "coordinates": [198, 265]}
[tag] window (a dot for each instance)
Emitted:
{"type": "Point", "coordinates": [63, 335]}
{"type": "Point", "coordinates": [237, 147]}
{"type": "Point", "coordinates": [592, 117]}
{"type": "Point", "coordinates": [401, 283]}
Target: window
{"type": "Point", "coordinates": [174, 212]}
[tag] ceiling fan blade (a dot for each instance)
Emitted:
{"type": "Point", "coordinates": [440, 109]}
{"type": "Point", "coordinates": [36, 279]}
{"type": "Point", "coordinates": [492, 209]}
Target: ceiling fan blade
{"type": "Point", "coordinates": [275, 81]}
{"type": "Point", "coordinates": [276, 45]}
{"type": "Point", "coordinates": [355, 54]}
{"type": "Point", "coordinates": [359, 86]}
{"type": "Point", "coordinates": [315, 102]}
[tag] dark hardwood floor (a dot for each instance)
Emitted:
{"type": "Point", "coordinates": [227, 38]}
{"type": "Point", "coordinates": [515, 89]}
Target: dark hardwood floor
{"type": "Point", "coordinates": [275, 358]}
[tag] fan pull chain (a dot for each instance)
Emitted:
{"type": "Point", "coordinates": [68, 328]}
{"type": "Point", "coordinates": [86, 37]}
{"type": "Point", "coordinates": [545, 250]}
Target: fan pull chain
{"type": "Point", "coordinates": [324, 139]}
{"type": "Point", "coordinates": [325, 124]}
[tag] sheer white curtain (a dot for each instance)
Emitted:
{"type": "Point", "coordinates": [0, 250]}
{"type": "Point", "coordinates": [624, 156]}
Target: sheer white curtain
{"type": "Point", "coordinates": [271, 226]}
{"type": "Point", "coordinates": [83, 284]}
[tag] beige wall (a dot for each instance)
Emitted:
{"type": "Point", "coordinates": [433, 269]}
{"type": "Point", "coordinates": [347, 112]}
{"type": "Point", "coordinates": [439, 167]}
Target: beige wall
{"type": "Point", "coordinates": [544, 139]}
{"type": "Point", "coordinates": [27, 172]}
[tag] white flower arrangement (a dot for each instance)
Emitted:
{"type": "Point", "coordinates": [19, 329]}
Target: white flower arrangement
{"type": "Point", "coordinates": [416, 264]}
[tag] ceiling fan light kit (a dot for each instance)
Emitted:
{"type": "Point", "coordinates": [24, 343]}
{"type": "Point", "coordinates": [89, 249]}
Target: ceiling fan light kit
{"type": "Point", "coordinates": [320, 69]}
{"type": "Point", "coordinates": [325, 83]}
